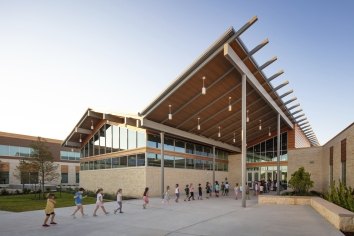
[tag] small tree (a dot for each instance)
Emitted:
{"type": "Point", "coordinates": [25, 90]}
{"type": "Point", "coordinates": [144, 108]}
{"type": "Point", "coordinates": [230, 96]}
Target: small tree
{"type": "Point", "coordinates": [301, 181]}
{"type": "Point", "coordinates": [21, 170]}
{"type": "Point", "coordinates": [42, 162]}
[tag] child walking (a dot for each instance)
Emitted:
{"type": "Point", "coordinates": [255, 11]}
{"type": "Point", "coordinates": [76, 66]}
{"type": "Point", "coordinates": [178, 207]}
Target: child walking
{"type": "Point", "coordinates": [191, 192]}
{"type": "Point", "coordinates": [200, 192]}
{"type": "Point", "coordinates": [49, 210]}
{"type": "Point", "coordinates": [146, 197]}
{"type": "Point", "coordinates": [186, 190]}
{"type": "Point", "coordinates": [99, 202]}
{"type": "Point", "coordinates": [78, 202]}
{"type": "Point", "coordinates": [237, 191]}
{"type": "Point", "coordinates": [166, 196]}
{"type": "Point", "coordinates": [177, 193]}
{"type": "Point", "coordinates": [119, 201]}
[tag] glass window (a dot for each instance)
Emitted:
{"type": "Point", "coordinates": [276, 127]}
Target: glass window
{"type": "Point", "coordinates": [153, 140]}
{"type": "Point", "coordinates": [190, 148]}
{"type": "Point", "coordinates": [199, 150]}
{"type": "Point", "coordinates": [220, 166]}
{"type": "Point", "coordinates": [169, 146]}
{"type": "Point", "coordinates": [64, 155]}
{"type": "Point", "coordinates": [269, 145]}
{"type": "Point", "coordinates": [284, 141]}
{"type": "Point", "coordinates": [91, 165]}
{"type": "Point", "coordinates": [219, 154]}
{"type": "Point", "coordinates": [132, 160]}
{"type": "Point", "coordinates": [96, 144]}
{"type": "Point", "coordinates": [109, 141]}
{"type": "Point", "coordinates": [123, 145]}
{"type": "Point", "coordinates": [141, 139]}
{"type": "Point", "coordinates": [64, 178]}
{"type": "Point", "coordinates": [208, 151]}
{"type": "Point", "coordinates": [4, 150]}
{"type": "Point", "coordinates": [102, 137]}
{"type": "Point", "coordinates": [108, 163]}
{"type": "Point", "coordinates": [141, 159]}
{"type": "Point", "coordinates": [180, 146]}
{"type": "Point", "coordinates": [86, 166]}
{"type": "Point", "coordinates": [102, 164]}
{"type": "Point", "coordinates": [96, 165]}
{"type": "Point", "coordinates": [14, 151]}
{"type": "Point", "coordinates": [189, 163]}
{"type": "Point", "coordinates": [24, 151]}
{"type": "Point", "coordinates": [153, 159]}
{"type": "Point", "coordinates": [4, 177]}
{"type": "Point", "coordinates": [180, 162]}
{"type": "Point", "coordinates": [284, 156]}
{"type": "Point", "coordinates": [169, 161]}
{"type": "Point", "coordinates": [115, 162]}
{"type": "Point", "coordinates": [257, 148]}
{"type": "Point", "coordinates": [77, 178]}
{"type": "Point", "coordinates": [199, 164]}
{"type": "Point", "coordinates": [208, 165]}
{"type": "Point", "coordinates": [115, 138]}
{"type": "Point", "coordinates": [131, 139]}
{"type": "Point", "coordinates": [123, 161]}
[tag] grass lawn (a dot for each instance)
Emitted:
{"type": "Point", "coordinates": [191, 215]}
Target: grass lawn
{"type": "Point", "coordinates": [27, 202]}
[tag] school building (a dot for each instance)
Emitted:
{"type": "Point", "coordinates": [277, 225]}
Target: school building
{"type": "Point", "coordinates": [221, 119]}
{"type": "Point", "coordinates": [17, 147]}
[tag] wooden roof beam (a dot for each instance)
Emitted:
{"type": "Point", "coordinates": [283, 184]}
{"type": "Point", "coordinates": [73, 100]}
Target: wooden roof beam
{"type": "Point", "coordinates": [230, 54]}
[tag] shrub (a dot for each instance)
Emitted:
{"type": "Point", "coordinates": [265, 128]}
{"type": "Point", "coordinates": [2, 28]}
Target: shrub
{"type": "Point", "coordinates": [4, 192]}
{"type": "Point", "coordinates": [341, 196]}
{"type": "Point", "coordinates": [301, 181]}
{"type": "Point", "coordinates": [26, 191]}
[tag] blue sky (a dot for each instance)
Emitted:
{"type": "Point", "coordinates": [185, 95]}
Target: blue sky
{"type": "Point", "coordinates": [57, 58]}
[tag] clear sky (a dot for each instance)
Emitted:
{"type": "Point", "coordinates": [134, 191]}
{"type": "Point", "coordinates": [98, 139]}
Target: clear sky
{"type": "Point", "coordinates": [57, 58]}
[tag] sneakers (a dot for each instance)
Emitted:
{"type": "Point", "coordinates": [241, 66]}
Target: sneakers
{"type": "Point", "coordinates": [45, 225]}
{"type": "Point", "coordinates": [94, 215]}
{"type": "Point", "coordinates": [53, 223]}
{"type": "Point", "coordinates": [107, 213]}
{"type": "Point", "coordinates": [121, 212]}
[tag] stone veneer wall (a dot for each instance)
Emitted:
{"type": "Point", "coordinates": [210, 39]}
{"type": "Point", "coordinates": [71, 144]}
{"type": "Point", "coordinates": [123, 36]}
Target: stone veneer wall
{"type": "Point", "coordinates": [180, 176]}
{"type": "Point", "coordinates": [131, 179]}
{"type": "Point", "coordinates": [311, 160]}
{"type": "Point", "coordinates": [235, 175]}
{"type": "Point", "coordinates": [337, 169]}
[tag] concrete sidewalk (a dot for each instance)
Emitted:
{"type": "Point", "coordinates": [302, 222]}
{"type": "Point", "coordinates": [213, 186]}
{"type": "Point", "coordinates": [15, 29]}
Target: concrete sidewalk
{"type": "Point", "coordinates": [215, 216]}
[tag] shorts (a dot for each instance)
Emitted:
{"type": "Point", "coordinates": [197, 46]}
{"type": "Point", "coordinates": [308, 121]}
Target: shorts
{"type": "Point", "coordinates": [78, 204]}
{"type": "Point", "coordinates": [100, 204]}
{"type": "Point", "coordinates": [48, 214]}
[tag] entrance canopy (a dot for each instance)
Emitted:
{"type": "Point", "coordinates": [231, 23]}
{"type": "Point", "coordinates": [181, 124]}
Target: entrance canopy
{"type": "Point", "coordinates": [206, 99]}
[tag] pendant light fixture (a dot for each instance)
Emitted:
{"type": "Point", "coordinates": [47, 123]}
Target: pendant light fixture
{"type": "Point", "coordinates": [260, 125]}
{"type": "Point", "coordinates": [247, 118]}
{"type": "Point", "coordinates": [234, 139]}
{"type": "Point", "coordinates": [269, 133]}
{"type": "Point", "coordinates": [230, 107]}
{"type": "Point", "coordinates": [91, 124]}
{"type": "Point", "coordinates": [80, 140]}
{"type": "Point", "coordinates": [198, 127]}
{"type": "Point", "coordinates": [170, 113]}
{"type": "Point", "coordinates": [219, 134]}
{"type": "Point", "coordinates": [203, 88]}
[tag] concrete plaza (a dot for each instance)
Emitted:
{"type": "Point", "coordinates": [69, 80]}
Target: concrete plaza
{"type": "Point", "coordinates": [215, 216]}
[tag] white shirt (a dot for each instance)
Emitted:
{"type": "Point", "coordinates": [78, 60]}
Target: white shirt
{"type": "Point", "coordinates": [99, 197]}
{"type": "Point", "coordinates": [227, 186]}
{"type": "Point", "coordinates": [119, 197]}
{"type": "Point", "coordinates": [177, 190]}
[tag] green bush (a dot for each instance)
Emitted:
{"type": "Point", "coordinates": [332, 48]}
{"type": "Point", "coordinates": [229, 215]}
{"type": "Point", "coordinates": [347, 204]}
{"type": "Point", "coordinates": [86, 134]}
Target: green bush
{"type": "Point", "coordinates": [341, 195]}
{"type": "Point", "coordinates": [4, 192]}
{"type": "Point", "coordinates": [301, 181]}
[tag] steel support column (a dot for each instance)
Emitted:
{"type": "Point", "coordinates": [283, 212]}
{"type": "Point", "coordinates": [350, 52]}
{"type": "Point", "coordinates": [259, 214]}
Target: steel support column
{"type": "Point", "coordinates": [243, 138]}
{"type": "Point", "coordinates": [162, 136]}
{"type": "Point", "coordinates": [214, 155]}
{"type": "Point", "coordinates": [278, 157]}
